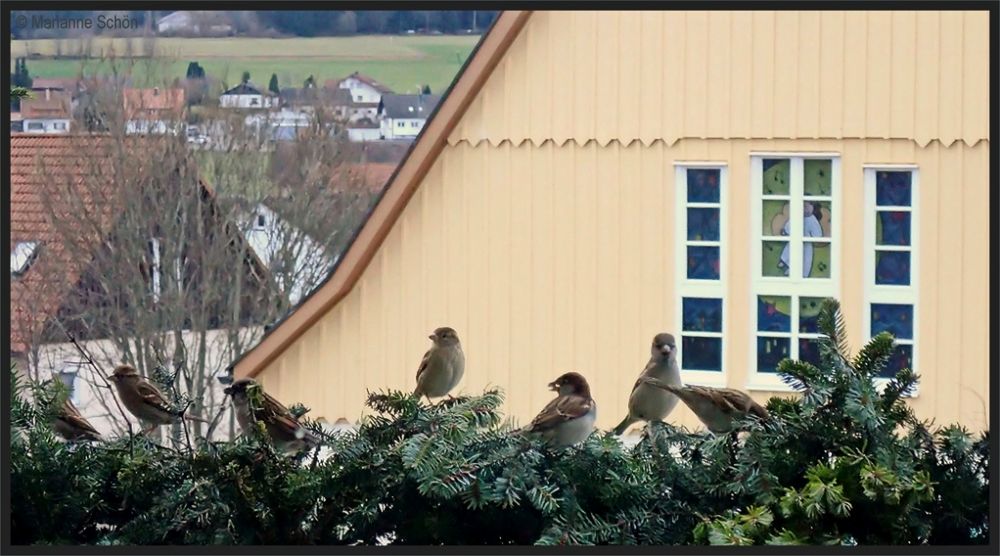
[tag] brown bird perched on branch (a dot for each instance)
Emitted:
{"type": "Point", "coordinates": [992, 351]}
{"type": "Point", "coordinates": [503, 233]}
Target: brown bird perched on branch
{"type": "Point", "coordinates": [144, 400]}
{"type": "Point", "coordinates": [442, 366]}
{"type": "Point", "coordinates": [646, 403]}
{"type": "Point", "coordinates": [70, 424]}
{"type": "Point", "coordinates": [717, 408]}
{"type": "Point", "coordinates": [570, 417]}
{"type": "Point", "coordinates": [253, 404]}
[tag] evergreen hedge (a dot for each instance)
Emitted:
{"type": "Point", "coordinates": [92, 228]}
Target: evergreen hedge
{"type": "Point", "coordinates": [840, 464]}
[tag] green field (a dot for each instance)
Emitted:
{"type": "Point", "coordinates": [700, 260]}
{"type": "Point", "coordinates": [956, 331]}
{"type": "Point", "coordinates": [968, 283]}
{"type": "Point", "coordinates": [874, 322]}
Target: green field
{"type": "Point", "coordinates": [400, 62]}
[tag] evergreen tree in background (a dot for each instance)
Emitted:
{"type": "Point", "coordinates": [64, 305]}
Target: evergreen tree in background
{"type": "Point", "coordinates": [841, 463]}
{"type": "Point", "coordinates": [245, 78]}
{"type": "Point", "coordinates": [273, 84]}
{"type": "Point", "coordinates": [195, 71]}
{"type": "Point", "coordinates": [426, 90]}
{"type": "Point", "coordinates": [309, 83]}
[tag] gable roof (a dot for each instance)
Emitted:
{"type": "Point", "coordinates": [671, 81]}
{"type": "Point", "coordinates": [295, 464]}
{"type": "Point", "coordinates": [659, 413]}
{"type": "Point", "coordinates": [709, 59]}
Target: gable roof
{"type": "Point", "coordinates": [243, 89]}
{"type": "Point", "coordinates": [153, 100]}
{"type": "Point", "coordinates": [408, 106]}
{"type": "Point", "coordinates": [367, 81]}
{"type": "Point", "coordinates": [55, 105]}
{"type": "Point", "coordinates": [397, 193]}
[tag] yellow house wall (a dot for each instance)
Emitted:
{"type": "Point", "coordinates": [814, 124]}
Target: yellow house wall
{"type": "Point", "coordinates": [544, 231]}
{"type": "Point", "coordinates": [548, 259]}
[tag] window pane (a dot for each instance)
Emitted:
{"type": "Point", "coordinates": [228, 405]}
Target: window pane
{"type": "Point", "coordinates": [892, 188]}
{"type": "Point", "coordinates": [809, 351]}
{"type": "Point", "coordinates": [770, 351]}
{"type": "Point", "coordinates": [774, 221]}
{"type": "Point", "coordinates": [816, 259]}
{"type": "Point", "coordinates": [892, 228]}
{"type": "Point", "coordinates": [701, 354]}
{"type": "Point", "coordinates": [774, 313]}
{"type": "Point", "coordinates": [774, 258]}
{"type": "Point", "coordinates": [808, 312]}
{"type": "Point", "coordinates": [703, 263]}
{"type": "Point", "coordinates": [817, 179]}
{"type": "Point", "coordinates": [817, 219]}
{"type": "Point", "coordinates": [701, 314]}
{"type": "Point", "coordinates": [892, 268]}
{"type": "Point", "coordinates": [894, 318]}
{"type": "Point", "coordinates": [902, 358]}
{"type": "Point", "coordinates": [703, 186]}
{"type": "Point", "coordinates": [703, 224]}
{"type": "Point", "coordinates": [777, 176]}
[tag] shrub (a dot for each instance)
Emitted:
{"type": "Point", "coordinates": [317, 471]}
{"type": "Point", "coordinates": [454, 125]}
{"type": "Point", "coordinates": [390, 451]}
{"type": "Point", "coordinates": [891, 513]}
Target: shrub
{"type": "Point", "coordinates": [844, 463]}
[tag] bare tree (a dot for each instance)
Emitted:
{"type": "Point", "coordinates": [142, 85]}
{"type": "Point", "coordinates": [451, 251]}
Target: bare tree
{"type": "Point", "coordinates": [159, 237]}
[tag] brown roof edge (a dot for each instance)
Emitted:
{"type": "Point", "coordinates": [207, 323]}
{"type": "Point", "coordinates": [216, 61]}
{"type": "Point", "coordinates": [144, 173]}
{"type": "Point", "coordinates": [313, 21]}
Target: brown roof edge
{"type": "Point", "coordinates": [397, 194]}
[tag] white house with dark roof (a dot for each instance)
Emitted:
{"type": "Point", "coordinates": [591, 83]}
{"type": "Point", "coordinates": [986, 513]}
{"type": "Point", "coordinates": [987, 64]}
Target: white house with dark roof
{"type": "Point", "coordinates": [246, 95]}
{"type": "Point", "coordinates": [403, 116]}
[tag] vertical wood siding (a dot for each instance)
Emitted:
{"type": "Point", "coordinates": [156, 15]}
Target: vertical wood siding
{"type": "Point", "coordinates": [544, 231]}
{"type": "Point", "coordinates": [667, 75]}
{"type": "Point", "coordinates": [555, 258]}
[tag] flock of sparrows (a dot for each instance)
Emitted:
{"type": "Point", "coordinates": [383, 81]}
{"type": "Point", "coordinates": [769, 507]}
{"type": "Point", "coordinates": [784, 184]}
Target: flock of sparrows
{"type": "Point", "coordinates": [566, 420]}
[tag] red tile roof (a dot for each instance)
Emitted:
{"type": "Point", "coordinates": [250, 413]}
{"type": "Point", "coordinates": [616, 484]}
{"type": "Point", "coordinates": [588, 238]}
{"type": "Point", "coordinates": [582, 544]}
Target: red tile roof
{"type": "Point", "coordinates": [153, 101]}
{"type": "Point", "coordinates": [43, 169]}
{"type": "Point", "coordinates": [56, 106]}
{"type": "Point", "coordinates": [372, 175]}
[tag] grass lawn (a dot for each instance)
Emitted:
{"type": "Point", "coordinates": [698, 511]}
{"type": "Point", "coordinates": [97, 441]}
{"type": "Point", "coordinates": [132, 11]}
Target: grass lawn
{"type": "Point", "coordinates": [400, 62]}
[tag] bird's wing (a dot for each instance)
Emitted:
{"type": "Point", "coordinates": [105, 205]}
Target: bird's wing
{"type": "Point", "coordinates": [742, 402]}
{"type": "Point", "coordinates": [424, 363]}
{"type": "Point", "coordinates": [560, 410]}
{"type": "Point", "coordinates": [279, 415]}
{"type": "Point", "coordinates": [72, 416]}
{"type": "Point", "coordinates": [152, 396]}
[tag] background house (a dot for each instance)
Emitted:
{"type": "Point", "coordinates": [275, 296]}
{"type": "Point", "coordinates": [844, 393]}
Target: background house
{"type": "Point", "coordinates": [403, 116]}
{"type": "Point", "coordinates": [153, 111]}
{"type": "Point", "coordinates": [74, 232]}
{"type": "Point", "coordinates": [245, 95]}
{"type": "Point", "coordinates": [558, 226]}
{"type": "Point", "coordinates": [48, 112]}
{"type": "Point", "coordinates": [296, 260]}
{"type": "Point", "coordinates": [364, 94]}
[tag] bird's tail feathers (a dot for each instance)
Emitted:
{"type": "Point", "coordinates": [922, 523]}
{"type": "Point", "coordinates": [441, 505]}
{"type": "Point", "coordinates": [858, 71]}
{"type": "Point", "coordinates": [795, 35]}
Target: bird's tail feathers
{"type": "Point", "coordinates": [627, 422]}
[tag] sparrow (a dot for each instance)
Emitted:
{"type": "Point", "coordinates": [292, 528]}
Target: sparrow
{"type": "Point", "coordinates": [717, 408]}
{"type": "Point", "coordinates": [69, 424]}
{"type": "Point", "coordinates": [654, 404]}
{"type": "Point", "coordinates": [442, 366]}
{"type": "Point", "coordinates": [570, 417]}
{"type": "Point", "coordinates": [144, 400]}
{"type": "Point", "coordinates": [282, 427]}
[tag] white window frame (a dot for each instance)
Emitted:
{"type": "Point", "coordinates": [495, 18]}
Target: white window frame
{"type": "Point", "coordinates": [154, 268]}
{"type": "Point", "coordinates": [686, 287]}
{"type": "Point", "coordinates": [793, 286]}
{"type": "Point", "coordinates": [884, 293]}
{"type": "Point", "coordinates": [71, 368]}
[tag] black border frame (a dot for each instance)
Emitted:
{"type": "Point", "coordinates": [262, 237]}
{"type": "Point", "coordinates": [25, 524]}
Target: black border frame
{"type": "Point", "coordinates": [994, 380]}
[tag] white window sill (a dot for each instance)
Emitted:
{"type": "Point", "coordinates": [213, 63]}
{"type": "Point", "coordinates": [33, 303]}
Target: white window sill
{"type": "Point", "coordinates": [704, 378]}
{"type": "Point", "coordinates": [766, 384]}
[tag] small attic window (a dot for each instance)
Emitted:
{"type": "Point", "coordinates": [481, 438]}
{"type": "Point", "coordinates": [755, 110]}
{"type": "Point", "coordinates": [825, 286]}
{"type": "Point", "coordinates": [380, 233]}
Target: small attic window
{"type": "Point", "coordinates": [21, 257]}
{"type": "Point", "coordinates": [261, 220]}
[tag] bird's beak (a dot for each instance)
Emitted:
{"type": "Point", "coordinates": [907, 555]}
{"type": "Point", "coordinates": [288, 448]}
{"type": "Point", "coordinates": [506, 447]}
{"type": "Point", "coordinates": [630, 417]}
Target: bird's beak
{"type": "Point", "coordinates": [111, 377]}
{"type": "Point", "coordinates": [228, 390]}
{"type": "Point", "coordinates": [665, 349]}
{"type": "Point", "coordinates": [433, 337]}
{"type": "Point", "coordinates": [553, 386]}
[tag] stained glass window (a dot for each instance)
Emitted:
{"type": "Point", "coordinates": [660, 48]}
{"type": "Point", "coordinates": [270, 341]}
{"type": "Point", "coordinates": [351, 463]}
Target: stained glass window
{"type": "Point", "coordinates": [770, 352]}
{"type": "Point", "coordinates": [796, 208]}
{"type": "Point", "coordinates": [777, 338]}
{"type": "Point", "coordinates": [702, 215]}
{"type": "Point", "coordinates": [700, 307]}
{"type": "Point", "coordinates": [891, 234]}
